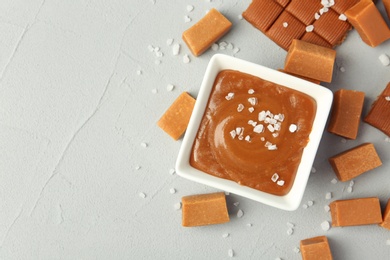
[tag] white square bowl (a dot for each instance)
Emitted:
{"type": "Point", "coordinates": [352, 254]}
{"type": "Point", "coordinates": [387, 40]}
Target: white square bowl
{"type": "Point", "coordinates": [321, 95]}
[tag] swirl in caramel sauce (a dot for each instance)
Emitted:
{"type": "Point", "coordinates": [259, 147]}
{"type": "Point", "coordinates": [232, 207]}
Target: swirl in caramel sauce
{"type": "Point", "coordinates": [227, 146]}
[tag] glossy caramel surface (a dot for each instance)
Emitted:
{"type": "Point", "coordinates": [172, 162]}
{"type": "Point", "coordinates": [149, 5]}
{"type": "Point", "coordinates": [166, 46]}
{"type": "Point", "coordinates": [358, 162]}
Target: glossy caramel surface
{"type": "Point", "coordinates": [249, 157]}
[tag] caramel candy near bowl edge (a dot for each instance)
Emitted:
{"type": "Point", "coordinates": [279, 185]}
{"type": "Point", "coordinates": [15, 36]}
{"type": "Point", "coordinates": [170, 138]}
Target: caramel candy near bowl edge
{"type": "Point", "coordinates": [346, 112]}
{"type": "Point", "coordinates": [354, 162]}
{"type": "Point", "coordinates": [175, 120]}
{"type": "Point", "coordinates": [379, 114]}
{"type": "Point", "coordinates": [367, 20]}
{"type": "Point", "coordinates": [208, 30]}
{"type": "Point", "coordinates": [315, 248]}
{"type": "Point", "coordinates": [310, 60]}
{"type": "Point", "coordinates": [386, 216]}
{"type": "Point", "coordinates": [204, 209]}
{"type": "Point", "coordinates": [355, 212]}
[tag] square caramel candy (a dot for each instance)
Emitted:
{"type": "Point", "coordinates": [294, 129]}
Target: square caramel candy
{"type": "Point", "coordinates": [354, 162]}
{"type": "Point", "coordinates": [355, 212]}
{"type": "Point", "coordinates": [304, 10]}
{"type": "Point", "coordinates": [204, 209]}
{"type": "Point", "coordinates": [386, 216]}
{"type": "Point", "coordinates": [314, 38]}
{"type": "Point", "coordinates": [175, 120]}
{"type": "Point", "coordinates": [208, 30]}
{"type": "Point", "coordinates": [262, 14]}
{"type": "Point", "coordinates": [379, 114]}
{"type": "Point", "coordinates": [310, 60]}
{"type": "Point", "coordinates": [368, 22]}
{"type": "Point", "coordinates": [315, 248]}
{"type": "Point", "coordinates": [346, 112]}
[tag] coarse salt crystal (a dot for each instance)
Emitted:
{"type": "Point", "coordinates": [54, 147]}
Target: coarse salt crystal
{"type": "Point", "coordinates": [247, 138]}
{"type": "Point", "coordinates": [154, 91]}
{"type": "Point", "coordinates": [240, 137]}
{"type": "Point", "coordinates": [304, 206]}
{"type": "Point", "coordinates": [328, 195]}
{"type": "Point", "coordinates": [190, 8]}
{"type": "Point", "coordinates": [187, 19]}
{"type": "Point", "coordinates": [309, 28]}
{"type": "Point", "coordinates": [172, 190]}
{"type": "Point", "coordinates": [238, 130]}
{"type": "Point", "coordinates": [325, 225]}
{"type": "Point", "coordinates": [290, 225]}
{"type": "Point", "coordinates": [177, 206]}
{"type": "Point", "coordinates": [351, 183]}
{"type": "Point", "coordinates": [239, 17]}
{"type": "Point", "coordinates": [262, 138]}
{"type": "Point", "coordinates": [156, 49]}
{"type": "Point", "coordinates": [387, 98]}
{"type": "Point", "coordinates": [230, 46]}
{"type": "Point", "coordinates": [159, 54]}
{"type": "Point", "coordinates": [222, 44]}
{"type": "Point", "coordinates": [170, 87]}
{"type": "Point", "coordinates": [169, 42]}
{"type": "Point", "coordinates": [233, 134]}
{"type": "Point", "coordinates": [290, 231]}
{"type": "Point", "coordinates": [281, 117]}
{"type": "Point", "coordinates": [275, 177]}
{"type": "Point", "coordinates": [275, 135]}
{"type": "Point", "coordinates": [272, 147]}
{"type": "Point", "coordinates": [137, 167]}
{"type": "Point", "coordinates": [240, 213]}
{"type": "Point", "coordinates": [230, 253]}
{"type": "Point", "coordinates": [150, 48]}
{"type": "Point", "coordinates": [270, 128]}
{"type": "Point", "coordinates": [139, 72]}
{"type": "Point", "coordinates": [214, 47]}
{"type": "Point", "coordinates": [292, 128]}
{"type": "Point", "coordinates": [176, 49]}
{"type": "Point", "coordinates": [296, 250]}
{"type": "Point", "coordinates": [227, 193]}
{"type": "Point", "coordinates": [280, 183]}
{"type": "Point", "coordinates": [144, 145]}
{"type": "Point", "coordinates": [229, 96]}
{"type": "Point", "coordinates": [186, 59]}
{"type": "Point", "coordinates": [236, 50]}
{"type": "Point", "coordinates": [142, 195]}
{"type": "Point", "coordinates": [272, 121]}
{"type": "Point", "coordinates": [251, 109]}
{"type": "Point", "coordinates": [384, 59]}
{"type": "Point", "coordinates": [342, 17]}
{"type": "Point", "coordinates": [236, 203]}
{"type": "Point", "coordinates": [285, 24]}
{"type": "Point", "coordinates": [388, 242]}
{"type": "Point", "coordinates": [225, 235]}
{"type": "Point", "coordinates": [172, 171]}
{"type": "Point", "coordinates": [326, 208]}
{"type": "Point", "coordinates": [240, 107]}
{"type": "Point", "coordinates": [310, 203]}
{"type": "Point", "coordinates": [249, 224]}
{"type": "Point", "coordinates": [333, 181]}
{"type": "Point", "coordinates": [252, 101]}
{"type": "Point", "coordinates": [349, 189]}
{"type": "Point", "coordinates": [316, 16]}
{"type": "Point", "coordinates": [313, 170]}
{"type": "Point", "coordinates": [251, 91]}
{"type": "Point", "coordinates": [343, 140]}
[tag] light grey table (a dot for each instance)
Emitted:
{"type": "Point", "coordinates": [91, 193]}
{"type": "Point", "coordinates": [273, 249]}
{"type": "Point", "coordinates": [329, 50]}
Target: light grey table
{"type": "Point", "coordinates": [80, 95]}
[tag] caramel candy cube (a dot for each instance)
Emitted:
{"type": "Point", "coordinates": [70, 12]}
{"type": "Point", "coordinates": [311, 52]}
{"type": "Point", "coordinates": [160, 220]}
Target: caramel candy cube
{"type": "Point", "coordinates": [369, 23]}
{"type": "Point", "coordinates": [175, 120]}
{"type": "Point", "coordinates": [379, 114]}
{"type": "Point", "coordinates": [207, 31]}
{"type": "Point", "coordinates": [310, 60]}
{"type": "Point", "coordinates": [304, 10]}
{"type": "Point", "coordinates": [262, 14]}
{"type": "Point", "coordinates": [314, 38]}
{"type": "Point", "coordinates": [331, 28]}
{"type": "Point", "coordinates": [315, 248]}
{"type": "Point", "coordinates": [283, 36]}
{"type": "Point", "coordinates": [386, 3]}
{"type": "Point", "coordinates": [355, 212]}
{"type": "Point", "coordinates": [354, 162]}
{"type": "Point", "coordinates": [346, 112]}
{"type": "Point", "coordinates": [386, 216]}
{"type": "Point", "coordinates": [204, 209]}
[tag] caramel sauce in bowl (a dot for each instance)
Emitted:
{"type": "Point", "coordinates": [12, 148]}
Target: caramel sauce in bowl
{"type": "Point", "coordinates": [225, 147]}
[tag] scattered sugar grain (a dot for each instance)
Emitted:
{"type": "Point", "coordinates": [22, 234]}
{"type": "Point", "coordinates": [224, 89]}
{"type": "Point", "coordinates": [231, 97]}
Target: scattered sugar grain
{"type": "Point", "coordinates": [384, 59]}
{"type": "Point", "coordinates": [215, 47]}
{"type": "Point", "coordinates": [225, 235]}
{"type": "Point", "coordinates": [334, 181]}
{"type": "Point", "coordinates": [176, 49]}
{"type": "Point", "coordinates": [328, 195]}
{"type": "Point", "coordinates": [190, 8]}
{"type": "Point", "coordinates": [325, 225]}
{"type": "Point", "coordinates": [172, 190]}
{"type": "Point", "coordinates": [170, 87]}
{"type": "Point", "coordinates": [326, 208]}
{"type": "Point", "coordinates": [142, 195]}
{"type": "Point", "coordinates": [310, 203]}
{"type": "Point", "coordinates": [240, 213]}
{"type": "Point", "coordinates": [177, 206]}
{"type": "Point", "coordinates": [296, 250]}
{"type": "Point", "coordinates": [349, 189]}
{"type": "Point", "coordinates": [285, 24]}
{"type": "Point", "coordinates": [144, 145]}
{"type": "Point", "coordinates": [187, 19]}
{"type": "Point", "coordinates": [290, 231]}
{"type": "Point", "coordinates": [169, 42]}
{"type": "Point", "coordinates": [172, 171]}
{"type": "Point", "coordinates": [309, 28]}
{"type": "Point", "coordinates": [186, 59]}
{"type": "Point", "coordinates": [230, 253]}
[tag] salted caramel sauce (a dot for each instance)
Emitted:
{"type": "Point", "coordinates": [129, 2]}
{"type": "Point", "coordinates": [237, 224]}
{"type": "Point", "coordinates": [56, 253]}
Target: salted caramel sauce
{"type": "Point", "coordinates": [246, 156]}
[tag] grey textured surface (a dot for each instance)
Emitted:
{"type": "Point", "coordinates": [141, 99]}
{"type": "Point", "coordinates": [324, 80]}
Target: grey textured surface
{"type": "Point", "coordinates": [74, 113]}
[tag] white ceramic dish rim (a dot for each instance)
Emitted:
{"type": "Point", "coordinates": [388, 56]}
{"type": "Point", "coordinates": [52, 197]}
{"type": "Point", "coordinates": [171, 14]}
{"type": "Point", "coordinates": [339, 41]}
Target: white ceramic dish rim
{"type": "Point", "coordinates": [321, 95]}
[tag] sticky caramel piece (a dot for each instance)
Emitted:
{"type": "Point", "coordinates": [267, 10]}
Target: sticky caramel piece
{"type": "Point", "coordinates": [379, 114]}
{"type": "Point", "coordinates": [356, 161]}
{"type": "Point", "coordinates": [314, 38]}
{"type": "Point", "coordinates": [315, 248]}
{"type": "Point", "coordinates": [310, 60]}
{"type": "Point", "coordinates": [346, 112]}
{"type": "Point", "coordinates": [204, 209]}
{"type": "Point", "coordinates": [262, 13]}
{"type": "Point", "coordinates": [298, 76]}
{"type": "Point", "coordinates": [368, 22]}
{"type": "Point", "coordinates": [283, 36]}
{"type": "Point", "coordinates": [341, 6]}
{"type": "Point", "coordinates": [207, 31]}
{"type": "Point", "coordinates": [304, 10]}
{"type": "Point", "coordinates": [283, 3]}
{"type": "Point", "coordinates": [386, 216]}
{"type": "Point", "coordinates": [175, 120]}
{"type": "Point", "coordinates": [355, 212]}
{"type": "Point", "coordinates": [386, 3]}
{"type": "Point", "coordinates": [331, 28]}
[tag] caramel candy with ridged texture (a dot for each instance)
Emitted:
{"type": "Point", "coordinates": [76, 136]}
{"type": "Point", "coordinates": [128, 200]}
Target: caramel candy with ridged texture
{"type": "Point", "coordinates": [368, 22]}
{"type": "Point", "coordinates": [262, 14]}
{"type": "Point", "coordinates": [283, 36]}
{"type": "Point", "coordinates": [331, 28]}
{"type": "Point", "coordinates": [386, 3]}
{"type": "Point", "coordinates": [310, 60]}
{"type": "Point", "coordinates": [283, 3]}
{"type": "Point", "coordinates": [175, 120]}
{"type": "Point", "coordinates": [379, 114]}
{"type": "Point", "coordinates": [354, 162]}
{"type": "Point", "coordinates": [304, 10]}
{"type": "Point", "coordinates": [301, 77]}
{"type": "Point", "coordinates": [386, 216]}
{"type": "Point", "coordinates": [341, 6]}
{"type": "Point", "coordinates": [208, 30]}
{"type": "Point", "coordinates": [314, 38]}
{"type": "Point", "coordinates": [355, 212]}
{"type": "Point", "coordinates": [346, 112]}
{"type": "Point", "coordinates": [315, 248]}
{"type": "Point", "coordinates": [204, 209]}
